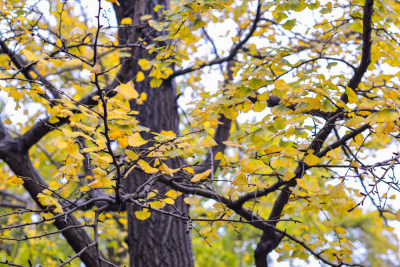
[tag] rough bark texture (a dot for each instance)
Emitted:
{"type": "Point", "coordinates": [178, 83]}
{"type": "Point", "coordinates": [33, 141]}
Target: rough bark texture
{"type": "Point", "coordinates": [160, 240]}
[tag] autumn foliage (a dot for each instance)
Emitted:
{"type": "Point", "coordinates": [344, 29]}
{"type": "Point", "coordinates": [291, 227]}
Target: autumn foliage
{"type": "Point", "coordinates": [277, 122]}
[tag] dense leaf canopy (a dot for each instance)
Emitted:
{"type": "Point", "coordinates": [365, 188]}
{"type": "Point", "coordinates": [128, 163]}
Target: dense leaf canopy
{"type": "Point", "coordinates": [288, 130]}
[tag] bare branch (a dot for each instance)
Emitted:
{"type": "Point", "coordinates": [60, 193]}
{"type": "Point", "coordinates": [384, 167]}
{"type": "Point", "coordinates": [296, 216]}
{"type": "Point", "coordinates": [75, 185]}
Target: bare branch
{"type": "Point", "coordinates": [233, 51]}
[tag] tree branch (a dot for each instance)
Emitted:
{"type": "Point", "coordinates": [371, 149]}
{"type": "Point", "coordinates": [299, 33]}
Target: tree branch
{"type": "Point", "coordinates": [232, 53]}
{"type": "Point", "coordinates": [26, 68]}
{"type": "Point", "coordinates": [21, 165]}
{"type": "Point", "coordinates": [320, 138]}
{"type": "Point", "coordinates": [16, 197]}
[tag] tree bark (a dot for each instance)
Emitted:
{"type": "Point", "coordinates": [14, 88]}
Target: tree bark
{"type": "Point", "coordinates": [20, 163]}
{"type": "Point", "coordinates": [160, 240]}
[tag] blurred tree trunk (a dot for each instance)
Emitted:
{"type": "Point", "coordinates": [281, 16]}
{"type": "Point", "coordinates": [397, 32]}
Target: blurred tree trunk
{"type": "Point", "coordinates": [160, 240]}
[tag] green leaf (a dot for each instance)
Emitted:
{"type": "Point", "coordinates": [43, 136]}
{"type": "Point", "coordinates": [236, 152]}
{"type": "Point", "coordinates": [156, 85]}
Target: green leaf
{"type": "Point", "coordinates": [198, 23]}
{"type": "Point", "coordinates": [288, 25]}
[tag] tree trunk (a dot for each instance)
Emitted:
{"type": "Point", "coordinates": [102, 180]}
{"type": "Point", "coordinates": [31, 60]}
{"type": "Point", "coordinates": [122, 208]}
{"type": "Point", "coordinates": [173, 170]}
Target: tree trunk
{"type": "Point", "coordinates": [161, 240]}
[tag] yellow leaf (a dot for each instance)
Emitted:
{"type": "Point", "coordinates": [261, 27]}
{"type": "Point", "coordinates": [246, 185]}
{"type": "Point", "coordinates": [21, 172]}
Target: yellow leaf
{"type": "Point", "coordinates": [251, 165]}
{"type": "Point", "coordinates": [192, 200]}
{"type": "Point", "coordinates": [53, 119]}
{"type": "Point", "coordinates": [340, 230]}
{"type": "Point", "coordinates": [144, 64]}
{"type": "Point", "coordinates": [54, 185]}
{"type": "Point", "coordinates": [47, 216]}
{"type": "Point", "coordinates": [355, 164]}
{"type": "Point", "coordinates": [390, 229]}
{"type": "Point", "coordinates": [157, 204]}
{"type": "Point", "coordinates": [123, 141]}
{"type": "Point", "coordinates": [146, 17]}
{"type": "Point", "coordinates": [29, 55]}
{"type": "Point", "coordinates": [155, 82]}
{"type": "Point", "coordinates": [189, 170]}
{"type": "Point", "coordinates": [142, 98]}
{"type": "Point", "coordinates": [275, 150]}
{"type": "Point", "coordinates": [290, 151]}
{"type": "Point", "coordinates": [311, 160]}
{"type": "Point", "coordinates": [169, 134]}
{"type": "Point", "coordinates": [123, 220]}
{"type": "Point", "coordinates": [96, 184]}
{"type": "Point", "coordinates": [131, 155]}
{"type": "Point", "coordinates": [169, 201]}
{"type": "Point", "coordinates": [136, 140]}
{"type": "Point", "coordinates": [219, 156]}
{"type": "Point", "coordinates": [142, 215]}
{"type": "Point", "coordinates": [166, 170]}
{"type": "Point", "coordinates": [398, 215]}
{"type": "Point", "coordinates": [99, 173]}
{"type": "Point", "coordinates": [336, 191]}
{"type": "Point", "coordinates": [17, 95]}
{"type": "Point", "coordinates": [46, 199]}
{"type": "Point", "coordinates": [240, 180]}
{"type": "Point", "coordinates": [352, 96]}
{"type": "Point", "coordinates": [96, 69]}
{"type": "Point", "coordinates": [282, 85]}
{"type": "Point", "coordinates": [207, 141]}
{"type": "Point", "coordinates": [172, 194]}
{"type": "Point", "coordinates": [113, 1]}
{"type": "Point", "coordinates": [159, 26]}
{"type": "Point", "coordinates": [387, 115]}
{"type": "Point", "coordinates": [84, 188]}
{"type": "Point", "coordinates": [139, 76]}
{"type": "Point", "coordinates": [102, 161]}
{"type": "Point", "coordinates": [151, 195]}
{"type": "Point", "coordinates": [357, 120]}
{"type": "Point", "coordinates": [201, 176]}
{"type": "Point", "coordinates": [231, 144]}
{"type": "Point", "coordinates": [116, 134]}
{"type": "Point", "coordinates": [126, 21]}
{"type": "Point", "coordinates": [15, 180]}
{"type": "Point", "coordinates": [58, 208]}
{"type": "Point", "coordinates": [335, 154]}
{"type": "Point", "coordinates": [146, 167]}
{"type": "Point", "coordinates": [128, 90]}
{"type": "Point", "coordinates": [288, 175]}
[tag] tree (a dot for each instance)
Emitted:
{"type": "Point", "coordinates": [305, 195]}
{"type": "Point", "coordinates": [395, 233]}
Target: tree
{"type": "Point", "coordinates": [277, 154]}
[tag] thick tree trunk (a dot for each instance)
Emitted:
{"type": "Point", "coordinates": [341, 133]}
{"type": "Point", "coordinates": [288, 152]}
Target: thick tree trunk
{"type": "Point", "coordinates": [161, 240]}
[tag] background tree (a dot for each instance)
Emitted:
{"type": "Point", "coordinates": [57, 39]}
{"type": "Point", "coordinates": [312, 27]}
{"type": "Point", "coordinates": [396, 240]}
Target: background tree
{"type": "Point", "coordinates": [272, 147]}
